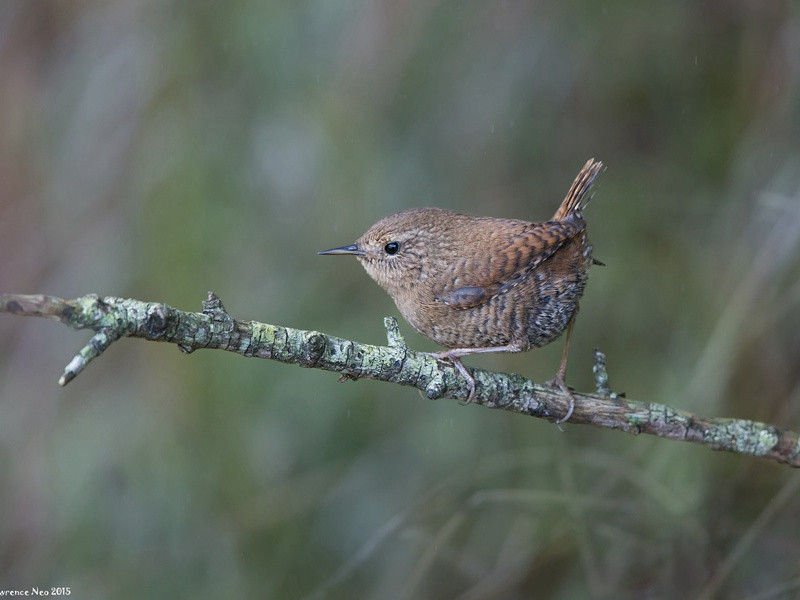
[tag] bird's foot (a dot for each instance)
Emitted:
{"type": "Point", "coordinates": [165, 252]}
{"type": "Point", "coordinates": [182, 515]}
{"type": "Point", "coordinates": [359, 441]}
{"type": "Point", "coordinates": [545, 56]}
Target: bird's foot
{"type": "Point", "coordinates": [558, 383]}
{"type": "Point", "coordinates": [455, 358]}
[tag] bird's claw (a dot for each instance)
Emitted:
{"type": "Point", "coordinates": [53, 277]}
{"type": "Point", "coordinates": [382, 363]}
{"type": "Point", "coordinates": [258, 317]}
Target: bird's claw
{"type": "Point", "coordinates": [558, 383]}
{"type": "Point", "coordinates": [453, 358]}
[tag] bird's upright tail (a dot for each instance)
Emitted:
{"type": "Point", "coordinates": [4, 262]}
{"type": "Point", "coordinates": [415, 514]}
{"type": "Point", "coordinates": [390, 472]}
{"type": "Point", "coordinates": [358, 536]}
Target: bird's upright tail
{"type": "Point", "coordinates": [574, 202]}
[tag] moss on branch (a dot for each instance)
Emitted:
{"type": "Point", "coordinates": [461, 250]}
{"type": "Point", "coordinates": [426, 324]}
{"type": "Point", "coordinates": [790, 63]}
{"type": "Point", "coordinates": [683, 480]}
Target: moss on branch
{"type": "Point", "coordinates": [112, 318]}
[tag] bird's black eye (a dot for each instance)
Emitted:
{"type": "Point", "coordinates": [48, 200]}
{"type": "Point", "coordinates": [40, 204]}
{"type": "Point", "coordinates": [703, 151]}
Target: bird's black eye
{"type": "Point", "coordinates": [391, 248]}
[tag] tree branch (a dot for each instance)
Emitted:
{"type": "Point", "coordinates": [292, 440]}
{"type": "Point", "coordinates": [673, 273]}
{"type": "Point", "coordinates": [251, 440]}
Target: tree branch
{"type": "Point", "coordinates": [112, 318]}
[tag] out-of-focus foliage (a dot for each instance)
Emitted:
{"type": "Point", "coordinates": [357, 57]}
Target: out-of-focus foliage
{"type": "Point", "coordinates": [159, 149]}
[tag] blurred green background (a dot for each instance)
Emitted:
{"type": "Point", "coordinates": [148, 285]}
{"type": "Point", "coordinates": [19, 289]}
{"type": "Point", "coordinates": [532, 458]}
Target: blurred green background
{"type": "Point", "coordinates": [160, 149]}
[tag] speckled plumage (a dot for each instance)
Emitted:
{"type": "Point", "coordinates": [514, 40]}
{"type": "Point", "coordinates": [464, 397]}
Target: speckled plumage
{"type": "Point", "coordinates": [483, 283]}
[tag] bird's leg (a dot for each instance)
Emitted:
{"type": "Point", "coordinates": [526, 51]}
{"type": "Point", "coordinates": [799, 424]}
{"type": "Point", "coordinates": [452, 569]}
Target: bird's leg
{"type": "Point", "coordinates": [454, 356]}
{"type": "Point", "coordinates": [558, 381]}
{"type": "Point", "coordinates": [456, 360]}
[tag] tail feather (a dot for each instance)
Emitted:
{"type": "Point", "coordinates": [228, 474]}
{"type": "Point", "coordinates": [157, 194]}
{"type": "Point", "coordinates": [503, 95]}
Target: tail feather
{"type": "Point", "coordinates": [574, 202]}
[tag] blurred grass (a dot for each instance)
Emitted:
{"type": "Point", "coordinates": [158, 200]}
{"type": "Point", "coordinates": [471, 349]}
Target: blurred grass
{"type": "Point", "coordinates": [161, 149]}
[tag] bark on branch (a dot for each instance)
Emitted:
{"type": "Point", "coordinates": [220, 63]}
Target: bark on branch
{"type": "Point", "coordinates": [112, 318]}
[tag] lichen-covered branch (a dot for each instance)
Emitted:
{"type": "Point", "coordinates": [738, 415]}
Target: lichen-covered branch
{"type": "Point", "coordinates": [112, 318]}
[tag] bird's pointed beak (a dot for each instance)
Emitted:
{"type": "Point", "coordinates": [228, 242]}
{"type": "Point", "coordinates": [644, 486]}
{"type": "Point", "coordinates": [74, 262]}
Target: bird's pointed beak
{"type": "Point", "coordinates": [352, 249]}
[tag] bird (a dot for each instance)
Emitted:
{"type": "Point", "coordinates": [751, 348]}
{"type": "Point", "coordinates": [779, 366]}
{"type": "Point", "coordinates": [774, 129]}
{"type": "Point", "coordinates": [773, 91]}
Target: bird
{"type": "Point", "coordinates": [485, 284]}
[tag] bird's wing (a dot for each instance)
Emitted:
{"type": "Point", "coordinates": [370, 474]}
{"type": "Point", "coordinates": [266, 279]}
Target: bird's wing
{"type": "Point", "coordinates": [498, 264]}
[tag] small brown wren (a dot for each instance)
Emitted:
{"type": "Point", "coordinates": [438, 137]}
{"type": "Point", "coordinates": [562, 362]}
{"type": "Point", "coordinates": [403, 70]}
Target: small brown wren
{"type": "Point", "coordinates": [481, 284]}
